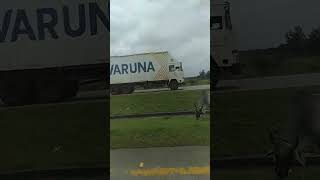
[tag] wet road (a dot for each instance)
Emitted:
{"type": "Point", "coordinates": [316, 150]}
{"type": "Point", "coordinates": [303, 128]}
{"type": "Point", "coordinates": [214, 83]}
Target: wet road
{"type": "Point", "coordinates": [189, 162]}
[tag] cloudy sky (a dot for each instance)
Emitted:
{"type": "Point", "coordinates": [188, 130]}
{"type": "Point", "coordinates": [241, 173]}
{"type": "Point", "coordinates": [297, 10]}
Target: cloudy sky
{"type": "Point", "coordinates": [263, 23]}
{"type": "Point", "coordinates": [178, 26]}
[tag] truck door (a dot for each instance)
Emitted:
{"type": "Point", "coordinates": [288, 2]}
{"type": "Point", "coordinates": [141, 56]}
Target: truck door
{"type": "Point", "coordinates": [176, 72]}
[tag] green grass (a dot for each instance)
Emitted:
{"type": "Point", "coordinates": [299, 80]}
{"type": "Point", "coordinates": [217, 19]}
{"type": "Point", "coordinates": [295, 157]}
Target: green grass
{"type": "Point", "coordinates": [241, 120]}
{"type": "Point", "coordinates": [154, 102]}
{"type": "Point", "coordinates": [193, 81]}
{"type": "Point", "coordinates": [311, 173]}
{"type": "Point", "coordinates": [29, 134]}
{"type": "Point", "coordinates": [161, 131]}
{"type": "Point", "coordinates": [275, 64]}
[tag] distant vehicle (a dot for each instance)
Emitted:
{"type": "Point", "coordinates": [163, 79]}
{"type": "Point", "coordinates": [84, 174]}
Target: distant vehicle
{"type": "Point", "coordinates": [224, 53]}
{"type": "Point", "coordinates": [148, 70]}
{"type": "Point", "coordinates": [48, 47]}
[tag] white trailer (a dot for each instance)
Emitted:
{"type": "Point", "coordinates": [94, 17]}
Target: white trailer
{"type": "Point", "coordinates": [224, 52]}
{"type": "Point", "coordinates": [148, 70]}
{"type": "Point", "coordinates": [47, 47]}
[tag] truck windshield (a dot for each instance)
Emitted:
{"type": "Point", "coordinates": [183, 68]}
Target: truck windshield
{"type": "Point", "coordinates": [216, 23]}
{"type": "Point", "coordinates": [171, 68]}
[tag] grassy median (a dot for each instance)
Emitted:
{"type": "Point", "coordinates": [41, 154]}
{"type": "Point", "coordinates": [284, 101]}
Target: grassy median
{"type": "Point", "coordinates": [242, 120]}
{"type": "Point", "coordinates": [168, 101]}
{"type": "Point", "coordinates": [275, 64]}
{"type": "Point", "coordinates": [159, 131]}
{"type": "Point", "coordinates": [49, 136]}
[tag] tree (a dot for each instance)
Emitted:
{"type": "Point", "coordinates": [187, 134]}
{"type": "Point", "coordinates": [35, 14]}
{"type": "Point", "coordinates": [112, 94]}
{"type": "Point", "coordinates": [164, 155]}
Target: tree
{"type": "Point", "coordinates": [296, 39]}
{"type": "Point", "coordinates": [314, 40]}
{"type": "Point", "coordinates": [202, 74]}
{"type": "Point", "coordinates": [208, 74]}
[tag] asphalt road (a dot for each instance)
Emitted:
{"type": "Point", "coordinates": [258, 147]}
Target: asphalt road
{"type": "Point", "coordinates": [271, 82]}
{"type": "Point", "coordinates": [187, 163]}
{"type": "Point", "coordinates": [186, 88]}
{"type": "Point", "coordinates": [260, 83]}
{"type": "Point", "coordinates": [99, 93]}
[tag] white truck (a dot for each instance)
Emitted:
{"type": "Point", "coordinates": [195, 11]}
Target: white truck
{"type": "Point", "coordinates": [224, 52]}
{"type": "Point", "coordinates": [48, 47]}
{"type": "Point", "coordinates": [148, 70]}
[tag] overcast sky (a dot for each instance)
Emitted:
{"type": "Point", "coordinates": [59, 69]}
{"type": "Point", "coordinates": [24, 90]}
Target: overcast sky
{"type": "Point", "coordinates": [182, 26]}
{"type": "Point", "coordinates": [263, 23]}
{"type": "Point", "coordinates": [178, 26]}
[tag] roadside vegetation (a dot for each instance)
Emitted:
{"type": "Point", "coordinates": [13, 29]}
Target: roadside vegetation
{"type": "Point", "coordinates": [166, 101]}
{"type": "Point", "coordinates": [159, 132]}
{"type": "Point", "coordinates": [299, 54]}
{"type": "Point", "coordinates": [51, 136]}
{"type": "Point", "coordinates": [242, 120]}
{"type": "Point", "coordinates": [259, 64]}
{"type": "Point", "coordinates": [202, 79]}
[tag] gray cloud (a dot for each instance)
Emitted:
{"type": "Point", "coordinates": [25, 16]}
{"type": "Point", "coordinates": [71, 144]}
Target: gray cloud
{"type": "Point", "coordinates": [180, 27]}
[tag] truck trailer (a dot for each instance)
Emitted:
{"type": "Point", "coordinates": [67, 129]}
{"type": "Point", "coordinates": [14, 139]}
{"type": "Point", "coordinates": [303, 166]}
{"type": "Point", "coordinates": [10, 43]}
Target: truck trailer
{"type": "Point", "coordinates": [147, 70]}
{"type": "Point", "coordinates": [48, 47]}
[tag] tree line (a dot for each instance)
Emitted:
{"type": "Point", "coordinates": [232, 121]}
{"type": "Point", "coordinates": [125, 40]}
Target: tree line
{"type": "Point", "coordinates": [298, 42]}
{"type": "Point", "coordinates": [204, 75]}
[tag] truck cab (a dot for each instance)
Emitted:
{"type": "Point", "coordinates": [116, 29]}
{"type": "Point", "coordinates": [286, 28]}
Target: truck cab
{"type": "Point", "coordinates": [224, 52]}
{"type": "Point", "coordinates": [176, 74]}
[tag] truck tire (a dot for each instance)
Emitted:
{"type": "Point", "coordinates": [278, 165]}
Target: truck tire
{"type": "Point", "coordinates": [174, 85]}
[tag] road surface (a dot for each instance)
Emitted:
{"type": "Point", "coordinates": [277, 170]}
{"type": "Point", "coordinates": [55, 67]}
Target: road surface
{"type": "Point", "coordinates": [100, 93]}
{"type": "Point", "coordinates": [186, 88]}
{"type": "Point", "coordinates": [185, 163]}
{"type": "Point", "coordinates": [271, 82]}
{"type": "Point", "coordinates": [260, 83]}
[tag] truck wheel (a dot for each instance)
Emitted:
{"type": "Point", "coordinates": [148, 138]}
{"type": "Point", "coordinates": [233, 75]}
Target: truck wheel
{"type": "Point", "coordinates": [174, 85]}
